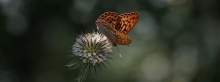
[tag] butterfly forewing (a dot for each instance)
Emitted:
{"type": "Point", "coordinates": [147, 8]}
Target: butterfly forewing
{"type": "Point", "coordinates": [112, 35]}
{"type": "Point", "coordinates": [127, 22]}
{"type": "Point", "coordinates": [106, 29]}
{"type": "Point", "coordinates": [110, 18]}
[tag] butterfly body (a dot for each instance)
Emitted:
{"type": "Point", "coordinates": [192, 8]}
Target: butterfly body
{"type": "Point", "coordinates": [115, 27]}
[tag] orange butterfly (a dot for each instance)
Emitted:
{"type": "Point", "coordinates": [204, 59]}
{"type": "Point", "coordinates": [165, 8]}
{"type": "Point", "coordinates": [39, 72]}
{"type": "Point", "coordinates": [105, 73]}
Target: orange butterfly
{"type": "Point", "coordinates": [115, 27]}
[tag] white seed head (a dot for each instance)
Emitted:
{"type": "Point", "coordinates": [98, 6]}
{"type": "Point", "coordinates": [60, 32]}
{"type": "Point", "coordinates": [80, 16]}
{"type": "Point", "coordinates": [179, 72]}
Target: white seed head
{"type": "Point", "coordinates": [92, 48]}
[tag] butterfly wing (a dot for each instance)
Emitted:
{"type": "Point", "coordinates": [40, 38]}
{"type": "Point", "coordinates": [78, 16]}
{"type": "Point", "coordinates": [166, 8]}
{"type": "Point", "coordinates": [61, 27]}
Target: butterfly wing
{"type": "Point", "coordinates": [113, 36]}
{"type": "Point", "coordinates": [105, 28]}
{"type": "Point", "coordinates": [125, 22]}
{"type": "Point", "coordinates": [110, 18]}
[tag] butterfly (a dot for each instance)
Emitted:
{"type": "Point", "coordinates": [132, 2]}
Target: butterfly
{"type": "Point", "coordinates": [115, 27]}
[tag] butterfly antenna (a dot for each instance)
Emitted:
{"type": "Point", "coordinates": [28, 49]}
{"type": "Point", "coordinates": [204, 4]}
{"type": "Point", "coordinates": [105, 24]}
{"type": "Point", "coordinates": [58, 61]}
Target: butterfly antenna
{"type": "Point", "coordinates": [119, 52]}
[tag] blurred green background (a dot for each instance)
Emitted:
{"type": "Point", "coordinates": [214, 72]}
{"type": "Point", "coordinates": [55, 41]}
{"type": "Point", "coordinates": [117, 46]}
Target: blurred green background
{"type": "Point", "coordinates": [173, 40]}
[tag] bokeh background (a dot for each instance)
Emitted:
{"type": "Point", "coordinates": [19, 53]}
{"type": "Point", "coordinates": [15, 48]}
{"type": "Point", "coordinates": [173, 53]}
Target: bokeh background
{"type": "Point", "coordinates": [173, 40]}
